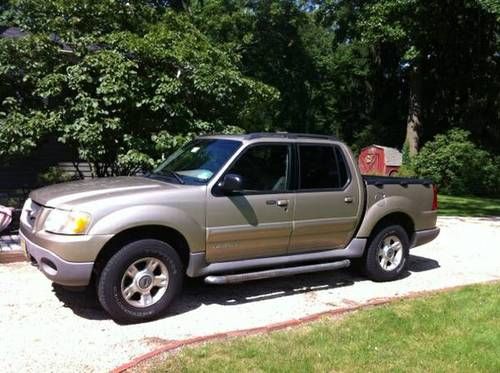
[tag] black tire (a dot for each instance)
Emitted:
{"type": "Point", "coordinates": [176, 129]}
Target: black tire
{"type": "Point", "coordinates": [372, 262]}
{"type": "Point", "coordinates": [109, 283]}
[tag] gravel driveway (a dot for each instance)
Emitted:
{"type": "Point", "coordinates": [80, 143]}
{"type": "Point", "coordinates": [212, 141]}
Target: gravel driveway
{"type": "Point", "coordinates": [46, 328]}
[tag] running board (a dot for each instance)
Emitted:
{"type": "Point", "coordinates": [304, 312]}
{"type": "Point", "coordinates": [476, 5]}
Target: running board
{"type": "Point", "coordinates": [280, 272]}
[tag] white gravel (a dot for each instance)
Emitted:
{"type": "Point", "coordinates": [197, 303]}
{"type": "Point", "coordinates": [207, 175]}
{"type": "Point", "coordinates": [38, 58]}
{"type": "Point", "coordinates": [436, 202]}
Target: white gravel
{"type": "Point", "coordinates": [45, 328]}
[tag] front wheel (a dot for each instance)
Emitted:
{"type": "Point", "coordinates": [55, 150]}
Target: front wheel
{"type": "Point", "coordinates": [387, 254]}
{"type": "Point", "coordinates": [140, 281]}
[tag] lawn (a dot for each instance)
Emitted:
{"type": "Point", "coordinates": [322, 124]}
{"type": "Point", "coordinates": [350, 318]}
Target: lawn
{"type": "Point", "coordinates": [457, 331]}
{"type": "Point", "coordinates": [468, 206]}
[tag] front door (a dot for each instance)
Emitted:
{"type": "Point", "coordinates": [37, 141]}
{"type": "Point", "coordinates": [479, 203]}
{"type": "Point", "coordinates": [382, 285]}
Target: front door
{"type": "Point", "coordinates": [257, 221]}
{"type": "Point", "coordinates": [328, 203]}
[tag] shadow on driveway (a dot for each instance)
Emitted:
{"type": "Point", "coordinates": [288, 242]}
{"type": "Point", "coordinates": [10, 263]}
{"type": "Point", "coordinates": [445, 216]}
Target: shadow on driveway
{"type": "Point", "coordinates": [197, 293]}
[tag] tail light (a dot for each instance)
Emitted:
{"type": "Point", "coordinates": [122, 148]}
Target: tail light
{"type": "Point", "coordinates": [434, 197]}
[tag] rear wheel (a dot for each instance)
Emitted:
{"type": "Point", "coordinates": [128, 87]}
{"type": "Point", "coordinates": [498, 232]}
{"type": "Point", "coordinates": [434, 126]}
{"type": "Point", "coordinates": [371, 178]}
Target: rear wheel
{"type": "Point", "coordinates": [140, 281]}
{"type": "Point", "coordinates": [387, 254]}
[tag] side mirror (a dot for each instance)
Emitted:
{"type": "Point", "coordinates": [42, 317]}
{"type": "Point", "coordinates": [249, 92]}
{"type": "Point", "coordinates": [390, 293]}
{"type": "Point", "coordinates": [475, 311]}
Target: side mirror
{"type": "Point", "coordinates": [230, 183]}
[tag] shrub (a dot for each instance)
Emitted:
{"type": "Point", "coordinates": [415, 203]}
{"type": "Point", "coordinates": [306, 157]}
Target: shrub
{"type": "Point", "coordinates": [53, 175]}
{"type": "Point", "coordinates": [406, 169]}
{"type": "Point", "coordinates": [457, 165]}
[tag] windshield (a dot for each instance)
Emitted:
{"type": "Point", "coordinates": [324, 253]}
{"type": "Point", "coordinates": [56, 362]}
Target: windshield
{"type": "Point", "coordinates": [197, 161]}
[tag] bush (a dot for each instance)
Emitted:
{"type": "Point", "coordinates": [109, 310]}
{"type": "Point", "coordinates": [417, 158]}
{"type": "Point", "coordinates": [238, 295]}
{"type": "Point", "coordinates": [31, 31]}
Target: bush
{"type": "Point", "coordinates": [406, 169]}
{"type": "Point", "coordinates": [458, 166]}
{"type": "Point", "coordinates": [53, 175]}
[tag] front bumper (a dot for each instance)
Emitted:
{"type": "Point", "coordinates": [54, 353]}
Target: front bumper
{"type": "Point", "coordinates": [57, 269]}
{"type": "Point", "coordinates": [424, 236]}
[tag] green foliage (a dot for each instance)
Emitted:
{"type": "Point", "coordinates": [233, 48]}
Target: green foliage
{"type": "Point", "coordinates": [76, 18]}
{"type": "Point", "coordinates": [406, 169]}
{"type": "Point", "coordinates": [53, 175]}
{"type": "Point", "coordinates": [279, 43]}
{"type": "Point", "coordinates": [124, 82]}
{"type": "Point", "coordinates": [405, 152]}
{"type": "Point", "coordinates": [458, 166]}
{"type": "Point", "coordinates": [459, 76]}
{"type": "Point", "coordinates": [23, 120]}
{"type": "Point", "coordinates": [123, 99]}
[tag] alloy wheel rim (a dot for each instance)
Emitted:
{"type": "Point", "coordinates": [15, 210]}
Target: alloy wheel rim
{"type": "Point", "coordinates": [390, 253]}
{"type": "Point", "coordinates": [144, 282]}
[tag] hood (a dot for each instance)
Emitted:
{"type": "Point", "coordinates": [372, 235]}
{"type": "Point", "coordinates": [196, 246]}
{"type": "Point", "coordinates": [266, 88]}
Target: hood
{"type": "Point", "coordinates": [83, 191]}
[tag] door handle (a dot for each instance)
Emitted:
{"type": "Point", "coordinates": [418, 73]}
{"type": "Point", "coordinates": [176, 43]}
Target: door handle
{"type": "Point", "coordinates": [348, 199]}
{"type": "Point", "coordinates": [279, 203]}
{"type": "Point", "coordinates": [282, 203]}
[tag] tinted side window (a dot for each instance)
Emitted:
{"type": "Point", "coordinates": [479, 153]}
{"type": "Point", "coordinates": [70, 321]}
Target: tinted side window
{"type": "Point", "coordinates": [318, 167]}
{"type": "Point", "coordinates": [343, 174]}
{"type": "Point", "coordinates": [263, 168]}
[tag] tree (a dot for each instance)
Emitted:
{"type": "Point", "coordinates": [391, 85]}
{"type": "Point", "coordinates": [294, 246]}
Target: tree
{"type": "Point", "coordinates": [285, 44]}
{"type": "Point", "coordinates": [123, 81]}
{"type": "Point", "coordinates": [122, 98]}
{"type": "Point", "coordinates": [444, 55]}
{"type": "Point", "coordinates": [266, 37]}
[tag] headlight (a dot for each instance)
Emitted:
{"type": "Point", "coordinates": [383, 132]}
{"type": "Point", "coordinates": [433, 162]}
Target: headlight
{"type": "Point", "coordinates": [67, 222]}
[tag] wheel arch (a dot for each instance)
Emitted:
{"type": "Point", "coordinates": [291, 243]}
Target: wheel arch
{"type": "Point", "coordinates": [394, 218]}
{"type": "Point", "coordinates": [163, 233]}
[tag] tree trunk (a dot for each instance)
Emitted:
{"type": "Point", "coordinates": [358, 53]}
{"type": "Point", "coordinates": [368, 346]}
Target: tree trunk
{"type": "Point", "coordinates": [413, 122]}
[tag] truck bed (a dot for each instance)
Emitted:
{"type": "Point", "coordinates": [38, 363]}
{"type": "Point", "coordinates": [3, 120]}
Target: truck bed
{"type": "Point", "coordinates": [406, 196]}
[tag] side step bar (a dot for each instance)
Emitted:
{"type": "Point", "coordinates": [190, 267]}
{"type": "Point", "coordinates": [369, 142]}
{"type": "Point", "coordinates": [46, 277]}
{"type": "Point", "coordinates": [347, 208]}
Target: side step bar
{"type": "Point", "coordinates": [271, 273]}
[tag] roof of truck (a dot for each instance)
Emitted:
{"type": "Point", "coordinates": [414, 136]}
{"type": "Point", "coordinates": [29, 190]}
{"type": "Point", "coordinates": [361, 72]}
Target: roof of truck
{"type": "Point", "coordinates": [275, 135]}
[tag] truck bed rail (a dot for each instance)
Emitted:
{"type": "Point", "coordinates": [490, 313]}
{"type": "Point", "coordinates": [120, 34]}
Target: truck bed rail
{"type": "Point", "coordinates": [385, 180]}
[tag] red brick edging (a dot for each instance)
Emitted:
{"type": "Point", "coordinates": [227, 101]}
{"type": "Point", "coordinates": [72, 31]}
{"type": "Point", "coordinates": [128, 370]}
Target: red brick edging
{"type": "Point", "coordinates": [172, 345]}
{"type": "Point", "coordinates": [169, 346]}
{"type": "Point", "coordinates": [13, 256]}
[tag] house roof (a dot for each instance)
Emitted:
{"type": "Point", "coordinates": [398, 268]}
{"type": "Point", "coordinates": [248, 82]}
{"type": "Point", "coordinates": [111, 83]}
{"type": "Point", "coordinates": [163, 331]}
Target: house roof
{"type": "Point", "coordinates": [18, 33]}
{"type": "Point", "coordinates": [11, 32]}
{"type": "Point", "coordinates": [393, 156]}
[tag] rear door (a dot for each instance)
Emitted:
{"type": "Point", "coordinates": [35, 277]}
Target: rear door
{"type": "Point", "coordinates": [257, 221]}
{"type": "Point", "coordinates": [328, 202]}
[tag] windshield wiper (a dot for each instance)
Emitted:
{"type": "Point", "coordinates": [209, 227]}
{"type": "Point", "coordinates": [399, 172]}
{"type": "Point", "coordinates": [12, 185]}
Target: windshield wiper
{"type": "Point", "coordinates": [176, 175]}
{"type": "Point", "coordinates": [170, 172]}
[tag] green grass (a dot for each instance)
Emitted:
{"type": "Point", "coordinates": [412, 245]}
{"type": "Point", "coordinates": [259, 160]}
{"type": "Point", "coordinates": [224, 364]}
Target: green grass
{"type": "Point", "coordinates": [457, 331]}
{"type": "Point", "coordinates": [468, 206]}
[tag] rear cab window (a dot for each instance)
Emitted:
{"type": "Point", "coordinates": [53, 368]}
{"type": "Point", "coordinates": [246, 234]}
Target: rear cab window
{"type": "Point", "coordinates": [321, 167]}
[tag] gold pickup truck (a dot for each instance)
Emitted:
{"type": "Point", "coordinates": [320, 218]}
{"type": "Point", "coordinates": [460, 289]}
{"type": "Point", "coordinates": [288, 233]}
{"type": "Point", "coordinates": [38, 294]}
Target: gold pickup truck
{"type": "Point", "coordinates": [229, 209]}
